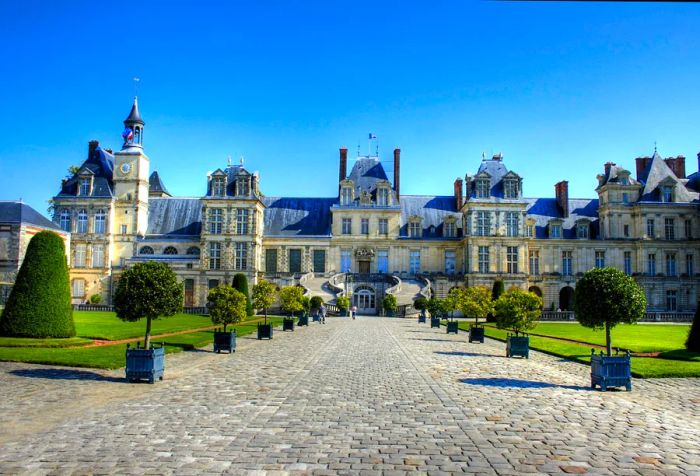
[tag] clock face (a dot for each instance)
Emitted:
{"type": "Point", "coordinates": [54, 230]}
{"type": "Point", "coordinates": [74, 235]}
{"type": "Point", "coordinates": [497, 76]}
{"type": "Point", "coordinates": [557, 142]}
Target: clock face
{"type": "Point", "coordinates": [125, 168]}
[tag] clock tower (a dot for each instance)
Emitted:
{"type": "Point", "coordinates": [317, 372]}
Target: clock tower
{"type": "Point", "coordinates": [131, 168]}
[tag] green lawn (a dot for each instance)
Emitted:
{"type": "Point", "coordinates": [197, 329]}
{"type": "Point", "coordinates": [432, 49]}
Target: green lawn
{"type": "Point", "coordinates": [666, 365]}
{"type": "Point", "coordinates": [48, 351]}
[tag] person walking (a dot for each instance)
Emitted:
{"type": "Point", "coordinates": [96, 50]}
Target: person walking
{"type": "Point", "coordinates": [322, 309]}
{"type": "Point", "coordinates": [353, 311]}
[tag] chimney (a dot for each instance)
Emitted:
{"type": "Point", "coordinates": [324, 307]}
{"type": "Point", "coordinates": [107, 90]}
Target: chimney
{"type": "Point", "coordinates": [343, 172]}
{"type": "Point", "coordinates": [608, 166]}
{"type": "Point", "coordinates": [109, 151]}
{"type": "Point", "coordinates": [498, 157]}
{"type": "Point", "coordinates": [459, 193]}
{"type": "Point", "coordinates": [677, 165]}
{"type": "Point", "coordinates": [561, 191]}
{"type": "Point", "coordinates": [92, 145]}
{"type": "Point", "coordinates": [397, 172]}
{"type": "Point", "coordinates": [642, 163]}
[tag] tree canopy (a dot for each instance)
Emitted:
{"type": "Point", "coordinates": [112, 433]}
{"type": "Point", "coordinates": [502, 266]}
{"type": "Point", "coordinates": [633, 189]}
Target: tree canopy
{"type": "Point", "coordinates": [518, 310]}
{"type": "Point", "coordinates": [474, 301]}
{"type": "Point", "coordinates": [291, 298]}
{"type": "Point", "coordinates": [389, 303]}
{"type": "Point", "coordinates": [264, 295]}
{"type": "Point", "coordinates": [226, 305]}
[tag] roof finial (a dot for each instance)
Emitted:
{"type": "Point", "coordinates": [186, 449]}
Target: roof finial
{"type": "Point", "coordinates": [136, 86]}
{"type": "Point", "coordinates": [654, 147]}
{"type": "Point", "coordinates": [483, 156]}
{"type": "Point", "coordinates": [242, 158]}
{"type": "Point", "coordinates": [229, 160]}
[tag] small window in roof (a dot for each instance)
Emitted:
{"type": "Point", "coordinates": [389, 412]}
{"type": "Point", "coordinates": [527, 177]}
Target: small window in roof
{"type": "Point", "coordinates": [170, 250]}
{"type": "Point", "coordinates": [146, 250]}
{"type": "Point", "coordinates": [193, 250]}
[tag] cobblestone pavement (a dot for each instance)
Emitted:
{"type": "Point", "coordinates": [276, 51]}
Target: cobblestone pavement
{"type": "Point", "coordinates": [370, 396]}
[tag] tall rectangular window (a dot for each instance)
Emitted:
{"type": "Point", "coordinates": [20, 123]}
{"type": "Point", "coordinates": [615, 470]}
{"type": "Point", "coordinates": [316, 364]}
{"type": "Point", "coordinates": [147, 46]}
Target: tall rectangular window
{"type": "Point", "coordinates": [670, 264]}
{"type": "Point", "coordinates": [628, 263]}
{"type": "Point", "coordinates": [346, 196]}
{"type": "Point", "coordinates": [669, 229]}
{"type": "Point", "coordinates": [241, 261]}
{"type": "Point", "coordinates": [482, 188]}
{"type": "Point", "coordinates": [554, 230]}
{"type": "Point", "coordinates": [414, 262]}
{"type": "Point", "coordinates": [383, 197]}
{"type": "Point", "coordinates": [383, 226]}
{"type": "Point", "coordinates": [295, 261]}
{"type": "Point", "coordinates": [347, 226]}
{"type": "Point", "coordinates": [600, 259]}
{"type": "Point", "coordinates": [650, 227]}
{"type": "Point", "coordinates": [566, 263]}
{"type": "Point", "coordinates": [212, 283]}
{"type": "Point", "coordinates": [78, 288]}
{"type": "Point", "coordinates": [512, 223]}
{"type": "Point", "coordinates": [345, 261]}
{"type": "Point", "coordinates": [100, 221]}
{"type": "Point", "coordinates": [319, 261]}
{"type": "Point", "coordinates": [218, 187]}
{"type": "Point", "coordinates": [242, 186]}
{"type": "Point", "coordinates": [671, 300]}
{"type": "Point", "coordinates": [271, 261]}
{"type": "Point", "coordinates": [626, 231]}
{"type": "Point", "coordinates": [449, 230]}
{"type": "Point", "coordinates": [689, 264]}
{"type": "Point", "coordinates": [364, 226]}
{"type": "Point", "coordinates": [483, 223]}
{"type": "Point", "coordinates": [688, 229]}
{"type": "Point", "coordinates": [64, 220]}
{"type": "Point", "coordinates": [216, 221]}
{"type": "Point", "coordinates": [414, 229]}
{"type": "Point", "coordinates": [651, 264]}
{"type": "Point", "coordinates": [483, 259]}
{"type": "Point", "coordinates": [510, 188]}
{"type": "Point", "coordinates": [84, 186]}
{"type": "Point", "coordinates": [534, 258]}
{"type": "Point", "coordinates": [667, 193]}
{"type": "Point", "coordinates": [530, 230]}
{"type": "Point", "coordinates": [98, 256]}
{"type": "Point", "coordinates": [124, 229]}
{"type": "Point", "coordinates": [450, 261]}
{"type": "Point", "coordinates": [214, 255]}
{"type": "Point", "coordinates": [512, 259]}
{"type": "Point", "coordinates": [383, 261]}
{"type": "Point", "coordinates": [79, 255]}
{"type": "Point", "coordinates": [242, 221]}
{"type": "Point", "coordinates": [582, 230]}
{"type": "Point", "coordinates": [82, 221]}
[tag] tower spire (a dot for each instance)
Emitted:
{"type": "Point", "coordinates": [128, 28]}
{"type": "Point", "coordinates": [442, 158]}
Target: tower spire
{"type": "Point", "coordinates": [133, 127]}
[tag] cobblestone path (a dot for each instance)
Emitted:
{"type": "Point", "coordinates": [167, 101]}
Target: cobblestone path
{"type": "Point", "coordinates": [370, 396]}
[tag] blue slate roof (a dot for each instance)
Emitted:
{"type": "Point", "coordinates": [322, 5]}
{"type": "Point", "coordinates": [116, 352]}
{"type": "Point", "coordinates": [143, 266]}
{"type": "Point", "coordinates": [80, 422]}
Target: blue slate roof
{"type": "Point", "coordinates": [174, 216]}
{"type": "Point", "coordinates": [365, 174]}
{"type": "Point", "coordinates": [542, 210]}
{"type": "Point", "coordinates": [298, 216]}
{"type": "Point", "coordinates": [656, 172]}
{"type": "Point", "coordinates": [14, 212]}
{"type": "Point", "coordinates": [433, 210]}
{"type": "Point", "coordinates": [100, 164]}
{"type": "Point", "coordinates": [156, 185]}
{"type": "Point", "coordinates": [496, 171]}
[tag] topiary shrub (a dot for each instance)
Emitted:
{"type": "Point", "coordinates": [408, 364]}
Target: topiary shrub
{"type": "Point", "coordinates": [518, 310]}
{"type": "Point", "coordinates": [291, 298]}
{"type": "Point", "coordinates": [149, 290]}
{"type": "Point", "coordinates": [316, 302]}
{"type": "Point", "coordinates": [421, 304]}
{"type": "Point", "coordinates": [693, 342]}
{"type": "Point", "coordinates": [343, 303]}
{"type": "Point", "coordinates": [389, 303]}
{"type": "Point", "coordinates": [606, 297]}
{"type": "Point", "coordinates": [240, 283]}
{"type": "Point", "coordinates": [39, 304]}
{"type": "Point", "coordinates": [95, 299]}
{"type": "Point", "coordinates": [226, 305]}
{"type": "Point", "coordinates": [496, 291]}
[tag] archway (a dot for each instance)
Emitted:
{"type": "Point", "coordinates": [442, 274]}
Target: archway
{"type": "Point", "coordinates": [566, 299]}
{"type": "Point", "coordinates": [364, 297]}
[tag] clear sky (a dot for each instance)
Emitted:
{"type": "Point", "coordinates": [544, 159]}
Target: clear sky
{"type": "Point", "coordinates": [558, 88]}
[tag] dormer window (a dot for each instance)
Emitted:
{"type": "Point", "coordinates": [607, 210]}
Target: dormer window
{"type": "Point", "coordinates": [383, 197]}
{"type": "Point", "coordinates": [243, 186]}
{"type": "Point", "coordinates": [555, 230]}
{"type": "Point", "coordinates": [85, 185]}
{"type": "Point", "coordinates": [582, 230]}
{"type": "Point", "coordinates": [510, 189]}
{"type": "Point", "coordinates": [218, 186]}
{"type": "Point", "coordinates": [449, 228]}
{"type": "Point", "coordinates": [667, 193]}
{"type": "Point", "coordinates": [482, 188]}
{"type": "Point", "coordinates": [414, 227]}
{"type": "Point", "coordinates": [346, 196]}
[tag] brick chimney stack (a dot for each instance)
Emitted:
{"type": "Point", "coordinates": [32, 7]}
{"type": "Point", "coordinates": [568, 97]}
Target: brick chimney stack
{"type": "Point", "coordinates": [343, 171]}
{"type": "Point", "coordinates": [677, 165]}
{"type": "Point", "coordinates": [608, 166]}
{"type": "Point", "coordinates": [397, 172]}
{"type": "Point", "coordinates": [561, 191]}
{"type": "Point", "coordinates": [92, 146]}
{"type": "Point", "coordinates": [642, 163]}
{"type": "Point", "coordinates": [459, 193]}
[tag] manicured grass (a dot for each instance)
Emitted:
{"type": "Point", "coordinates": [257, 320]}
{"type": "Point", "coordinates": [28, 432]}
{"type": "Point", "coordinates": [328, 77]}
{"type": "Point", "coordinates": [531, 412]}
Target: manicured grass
{"type": "Point", "coordinates": [113, 356]}
{"type": "Point", "coordinates": [642, 367]}
{"type": "Point", "coordinates": [47, 343]}
{"type": "Point", "coordinates": [107, 326]}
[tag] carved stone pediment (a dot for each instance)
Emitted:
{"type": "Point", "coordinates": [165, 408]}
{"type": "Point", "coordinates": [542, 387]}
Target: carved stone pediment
{"type": "Point", "coordinates": [364, 253]}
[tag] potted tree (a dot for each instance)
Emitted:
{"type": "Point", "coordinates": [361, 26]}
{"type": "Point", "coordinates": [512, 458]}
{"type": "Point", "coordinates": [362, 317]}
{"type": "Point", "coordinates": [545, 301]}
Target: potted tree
{"type": "Point", "coordinates": [604, 298]}
{"type": "Point", "coordinates": [305, 304]}
{"type": "Point", "coordinates": [421, 304]}
{"type": "Point", "coordinates": [316, 303]}
{"type": "Point", "coordinates": [226, 306]}
{"type": "Point", "coordinates": [263, 297]}
{"type": "Point", "coordinates": [343, 303]}
{"type": "Point", "coordinates": [518, 311]}
{"type": "Point", "coordinates": [434, 308]}
{"type": "Point", "coordinates": [390, 305]}
{"type": "Point", "coordinates": [149, 290]}
{"type": "Point", "coordinates": [291, 300]}
{"type": "Point", "coordinates": [477, 303]}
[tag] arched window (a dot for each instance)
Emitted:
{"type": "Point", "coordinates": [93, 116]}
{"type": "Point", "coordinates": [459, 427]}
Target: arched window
{"type": "Point", "coordinates": [170, 250]}
{"type": "Point", "coordinates": [82, 221]}
{"type": "Point", "coordinates": [100, 221]}
{"type": "Point", "coordinates": [64, 220]}
{"type": "Point", "coordinates": [193, 251]}
{"type": "Point", "coordinates": [146, 250]}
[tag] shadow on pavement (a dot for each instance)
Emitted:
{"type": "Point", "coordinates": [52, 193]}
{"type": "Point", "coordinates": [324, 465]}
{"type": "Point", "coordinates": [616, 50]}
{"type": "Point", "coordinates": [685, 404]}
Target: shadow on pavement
{"type": "Point", "coordinates": [515, 383]}
{"type": "Point", "coordinates": [433, 340]}
{"type": "Point", "coordinates": [464, 354]}
{"type": "Point", "coordinates": [66, 374]}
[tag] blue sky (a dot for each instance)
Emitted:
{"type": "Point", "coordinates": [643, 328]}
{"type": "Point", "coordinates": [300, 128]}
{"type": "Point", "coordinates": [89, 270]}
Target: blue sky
{"type": "Point", "coordinates": [558, 88]}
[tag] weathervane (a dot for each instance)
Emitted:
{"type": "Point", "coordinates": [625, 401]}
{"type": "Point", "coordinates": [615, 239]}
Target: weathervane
{"type": "Point", "coordinates": [229, 160]}
{"type": "Point", "coordinates": [136, 85]}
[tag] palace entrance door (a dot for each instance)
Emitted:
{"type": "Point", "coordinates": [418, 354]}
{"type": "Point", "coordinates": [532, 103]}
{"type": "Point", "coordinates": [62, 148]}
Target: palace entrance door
{"type": "Point", "coordinates": [363, 266]}
{"type": "Point", "coordinates": [364, 299]}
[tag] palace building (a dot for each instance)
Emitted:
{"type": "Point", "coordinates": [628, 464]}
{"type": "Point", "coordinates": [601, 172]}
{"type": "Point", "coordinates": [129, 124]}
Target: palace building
{"type": "Point", "coordinates": [371, 236]}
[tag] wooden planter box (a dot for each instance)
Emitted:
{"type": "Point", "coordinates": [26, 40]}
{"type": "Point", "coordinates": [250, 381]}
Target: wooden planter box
{"type": "Point", "coordinates": [225, 341]}
{"type": "Point", "coordinates": [316, 318]}
{"type": "Point", "coordinates": [476, 334]}
{"type": "Point", "coordinates": [434, 322]}
{"type": "Point", "coordinates": [343, 313]}
{"type": "Point", "coordinates": [389, 313]}
{"type": "Point", "coordinates": [614, 371]}
{"type": "Point", "coordinates": [452, 327]}
{"type": "Point", "coordinates": [303, 321]}
{"type": "Point", "coordinates": [264, 331]}
{"type": "Point", "coordinates": [421, 319]}
{"type": "Point", "coordinates": [518, 346]}
{"type": "Point", "coordinates": [142, 364]}
{"type": "Point", "coordinates": [288, 324]}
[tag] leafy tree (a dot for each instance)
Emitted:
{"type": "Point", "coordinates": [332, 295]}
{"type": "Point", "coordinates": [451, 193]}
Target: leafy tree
{"type": "Point", "coordinates": [421, 303]}
{"type": "Point", "coordinates": [149, 290]}
{"type": "Point", "coordinates": [39, 304]}
{"type": "Point", "coordinates": [518, 310]}
{"type": "Point", "coordinates": [389, 303]}
{"type": "Point", "coordinates": [291, 299]}
{"type": "Point", "coordinates": [226, 305]}
{"type": "Point", "coordinates": [606, 297]}
{"type": "Point", "coordinates": [305, 303]}
{"type": "Point", "coordinates": [474, 301]}
{"type": "Point", "coordinates": [95, 299]}
{"type": "Point", "coordinates": [240, 282]}
{"type": "Point", "coordinates": [693, 342]}
{"type": "Point", "coordinates": [264, 295]}
{"type": "Point", "coordinates": [316, 302]}
{"type": "Point", "coordinates": [435, 306]}
{"type": "Point", "coordinates": [343, 303]}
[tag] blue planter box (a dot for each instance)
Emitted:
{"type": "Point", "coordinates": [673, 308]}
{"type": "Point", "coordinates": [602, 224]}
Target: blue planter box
{"type": "Point", "coordinates": [303, 321]}
{"type": "Point", "coordinates": [452, 327]}
{"type": "Point", "coordinates": [225, 341]}
{"type": "Point", "coordinates": [343, 313]}
{"type": "Point", "coordinates": [316, 318]}
{"type": "Point", "coordinates": [264, 331]}
{"type": "Point", "coordinates": [288, 324]}
{"type": "Point", "coordinates": [434, 322]}
{"type": "Point", "coordinates": [518, 346]}
{"type": "Point", "coordinates": [421, 319]}
{"type": "Point", "coordinates": [614, 371]}
{"type": "Point", "coordinates": [476, 334]}
{"type": "Point", "coordinates": [142, 364]}
{"type": "Point", "coordinates": [390, 313]}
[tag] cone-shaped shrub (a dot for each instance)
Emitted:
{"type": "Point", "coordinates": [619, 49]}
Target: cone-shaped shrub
{"type": "Point", "coordinates": [693, 342]}
{"type": "Point", "coordinates": [40, 302]}
{"type": "Point", "coordinates": [240, 283]}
